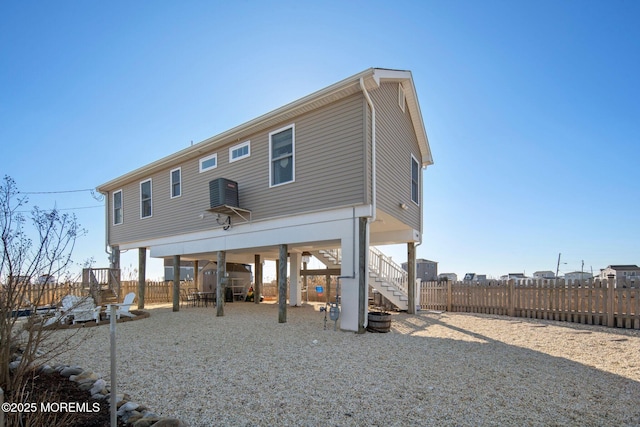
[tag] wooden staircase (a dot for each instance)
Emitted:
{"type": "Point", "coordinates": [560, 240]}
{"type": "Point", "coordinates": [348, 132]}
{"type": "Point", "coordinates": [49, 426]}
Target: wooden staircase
{"type": "Point", "coordinates": [385, 276]}
{"type": "Point", "coordinates": [103, 284]}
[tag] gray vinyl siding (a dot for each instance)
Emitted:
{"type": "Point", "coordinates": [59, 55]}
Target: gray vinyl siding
{"type": "Point", "coordinates": [396, 141]}
{"type": "Point", "coordinates": [329, 172]}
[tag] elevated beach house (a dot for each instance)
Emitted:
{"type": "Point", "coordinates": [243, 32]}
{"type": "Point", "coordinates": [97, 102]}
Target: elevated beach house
{"type": "Point", "coordinates": [331, 174]}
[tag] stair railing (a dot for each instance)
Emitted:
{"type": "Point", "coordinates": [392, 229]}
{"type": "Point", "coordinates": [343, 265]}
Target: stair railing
{"type": "Point", "coordinates": [387, 270]}
{"type": "Point", "coordinates": [380, 264]}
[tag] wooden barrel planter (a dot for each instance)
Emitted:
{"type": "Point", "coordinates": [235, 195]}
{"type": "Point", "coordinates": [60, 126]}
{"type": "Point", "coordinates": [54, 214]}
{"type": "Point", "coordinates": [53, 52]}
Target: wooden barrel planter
{"type": "Point", "coordinates": [378, 321]}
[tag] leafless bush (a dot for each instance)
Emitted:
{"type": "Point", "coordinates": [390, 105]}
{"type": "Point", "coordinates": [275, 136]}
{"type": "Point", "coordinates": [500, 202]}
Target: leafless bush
{"type": "Point", "coordinates": [27, 254]}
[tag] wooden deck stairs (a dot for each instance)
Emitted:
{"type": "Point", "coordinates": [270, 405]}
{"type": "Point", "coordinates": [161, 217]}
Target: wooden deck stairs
{"type": "Point", "coordinates": [103, 284]}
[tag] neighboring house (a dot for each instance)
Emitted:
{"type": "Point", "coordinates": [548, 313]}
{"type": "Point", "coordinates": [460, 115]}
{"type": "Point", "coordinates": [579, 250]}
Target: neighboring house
{"type": "Point", "coordinates": [516, 276]}
{"type": "Point", "coordinates": [578, 275]}
{"type": "Point", "coordinates": [449, 277]}
{"type": "Point", "coordinates": [187, 269]}
{"type": "Point", "coordinates": [426, 270]}
{"type": "Point", "coordinates": [544, 275]}
{"type": "Point", "coordinates": [338, 169]}
{"type": "Point", "coordinates": [475, 278]}
{"type": "Point", "coordinates": [623, 274]}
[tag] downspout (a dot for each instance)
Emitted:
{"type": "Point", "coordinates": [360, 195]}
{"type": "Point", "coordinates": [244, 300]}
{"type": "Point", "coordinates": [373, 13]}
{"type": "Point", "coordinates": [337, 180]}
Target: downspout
{"type": "Point", "coordinates": [106, 225]}
{"type": "Point", "coordinates": [372, 218]}
{"type": "Point", "coordinates": [373, 149]}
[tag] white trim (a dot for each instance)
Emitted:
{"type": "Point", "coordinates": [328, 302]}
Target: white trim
{"type": "Point", "coordinates": [334, 230]}
{"type": "Point", "coordinates": [292, 126]}
{"type": "Point", "coordinates": [278, 224]}
{"type": "Point", "coordinates": [113, 207]}
{"type": "Point", "coordinates": [237, 147]}
{"type": "Point", "coordinates": [150, 198]}
{"type": "Point", "coordinates": [401, 97]}
{"type": "Point", "coordinates": [171, 183]}
{"type": "Point", "coordinates": [414, 159]}
{"type": "Point", "coordinates": [204, 159]}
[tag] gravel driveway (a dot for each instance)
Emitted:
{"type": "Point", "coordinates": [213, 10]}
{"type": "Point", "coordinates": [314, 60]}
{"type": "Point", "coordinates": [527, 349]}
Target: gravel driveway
{"type": "Point", "coordinates": [440, 369]}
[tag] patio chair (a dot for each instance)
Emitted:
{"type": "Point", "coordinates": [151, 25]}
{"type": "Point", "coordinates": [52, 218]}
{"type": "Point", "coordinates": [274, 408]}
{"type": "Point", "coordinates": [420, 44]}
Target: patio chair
{"type": "Point", "coordinates": [79, 308]}
{"type": "Point", "coordinates": [188, 298]}
{"type": "Point", "coordinates": [124, 310]}
{"type": "Point", "coordinates": [196, 295]}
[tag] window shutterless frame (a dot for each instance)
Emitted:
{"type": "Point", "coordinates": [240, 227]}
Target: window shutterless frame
{"type": "Point", "coordinates": [117, 207]}
{"type": "Point", "coordinates": [415, 180]}
{"type": "Point", "coordinates": [282, 143]}
{"type": "Point", "coordinates": [209, 162]}
{"type": "Point", "coordinates": [175, 177]}
{"type": "Point", "coordinates": [239, 151]}
{"type": "Point", "coordinates": [145, 199]}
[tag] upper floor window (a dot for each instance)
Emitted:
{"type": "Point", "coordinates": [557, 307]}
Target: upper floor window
{"type": "Point", "coordinates": [282, 156]}
{"type": "Point", "coordinates": [176, 183]}
{"type": "Point", "coordinates": [415, 180]}
{"type": "Point", "coordinates": [145, 199]}
{"type": "Point", "coordinates": [239, 151]}
{"type": "Point", "coordinates": [209, 162]}
{"type": "Point", "coordinates": [117, 207]}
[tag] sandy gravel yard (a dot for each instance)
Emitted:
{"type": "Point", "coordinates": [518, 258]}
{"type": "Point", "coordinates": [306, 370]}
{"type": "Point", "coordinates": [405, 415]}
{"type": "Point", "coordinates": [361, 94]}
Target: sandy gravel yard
{"type": "Point", "coordinates": [432, 369]}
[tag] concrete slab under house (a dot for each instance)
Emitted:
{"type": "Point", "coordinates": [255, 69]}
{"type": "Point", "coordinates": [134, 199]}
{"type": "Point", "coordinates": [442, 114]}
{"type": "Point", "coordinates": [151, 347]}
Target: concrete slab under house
{"type": "Point", "coordinates": [333, 175]}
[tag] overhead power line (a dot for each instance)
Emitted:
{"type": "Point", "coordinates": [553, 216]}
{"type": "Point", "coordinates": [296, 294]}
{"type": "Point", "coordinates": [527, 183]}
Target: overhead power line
{"type": "Point", "coordinates": [67, 209]}
{"type": "Point", "coordinates": [57, 192]}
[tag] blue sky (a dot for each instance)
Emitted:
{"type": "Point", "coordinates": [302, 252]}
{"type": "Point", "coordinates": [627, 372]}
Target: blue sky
{"type": "Point", "coordinates": [532, 108]}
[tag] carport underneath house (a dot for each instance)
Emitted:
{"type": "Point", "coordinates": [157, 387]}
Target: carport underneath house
{"type": "Point", "coordinates": [343, 234]}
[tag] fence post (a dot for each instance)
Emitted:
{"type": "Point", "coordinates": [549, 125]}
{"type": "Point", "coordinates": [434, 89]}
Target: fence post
{"type": "Point", "coordinates": [611, 303]}
{"type": "Point", "coordinates": [512, 297]}
{"type": "Point", "coordinates": [449, 295]}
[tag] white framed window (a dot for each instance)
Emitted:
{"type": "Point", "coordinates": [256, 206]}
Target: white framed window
{"type": "Point", "coordinates": [240, 151]}
{"type": "Point", "coordinates": [145, 199]}
{"type": "Point", "coordinates": [401, 100]}
{"type": "Point", "coordinates": [209, 162]}
{"type": "Point", "coordinates": [117, 207]}
{"type": "Point", "coordinates": [282, 156]}
{"type": "Point", "coordinates": [415, 180]}
{"type": "Point", "coordinates": [176, 182]}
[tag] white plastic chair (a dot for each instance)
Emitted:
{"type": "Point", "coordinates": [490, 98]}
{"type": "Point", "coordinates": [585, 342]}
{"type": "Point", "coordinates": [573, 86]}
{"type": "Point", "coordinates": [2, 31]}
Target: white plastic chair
{"type": "Point", "coordinates": [124, 310]}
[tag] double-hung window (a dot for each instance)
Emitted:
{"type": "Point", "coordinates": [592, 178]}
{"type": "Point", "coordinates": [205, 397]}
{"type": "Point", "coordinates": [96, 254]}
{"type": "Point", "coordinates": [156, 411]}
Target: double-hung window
{"type": "Point", "coordinates": [117, 207]}
{"type": "Point", "coordinates": [145, 199]}
{"type": "Point", "coordinates": [282, 156]}
{"type": "Point", "coordinates": [239, 151]}
{"type": "Point", "coordinates": [415, 180]}
{"type": "Point", "coordinates": [176, 183]}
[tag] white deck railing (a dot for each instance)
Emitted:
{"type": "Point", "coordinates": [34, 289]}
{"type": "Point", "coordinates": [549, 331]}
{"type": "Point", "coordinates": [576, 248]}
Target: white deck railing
{"type": "Point", "coordinates": [381, 265]}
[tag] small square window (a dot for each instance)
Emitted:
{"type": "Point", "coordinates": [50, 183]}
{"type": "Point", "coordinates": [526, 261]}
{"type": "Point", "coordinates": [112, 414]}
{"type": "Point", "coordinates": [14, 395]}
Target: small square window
{"type": "Point", "coordinates": [239, 151]}
{"type": "Point", "coordinates": [209, 162]}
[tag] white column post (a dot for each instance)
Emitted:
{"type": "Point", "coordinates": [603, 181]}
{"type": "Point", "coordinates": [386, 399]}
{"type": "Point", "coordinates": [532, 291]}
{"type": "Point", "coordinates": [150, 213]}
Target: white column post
{"type": "Point", "coordinates": [295, 287]}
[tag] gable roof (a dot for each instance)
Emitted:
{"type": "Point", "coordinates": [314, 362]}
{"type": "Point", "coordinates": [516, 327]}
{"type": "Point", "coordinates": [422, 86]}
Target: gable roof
{"type": "Point", "coordinates": [624, 267]}
{"type": "Point", "coordinates": [372, 78]}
